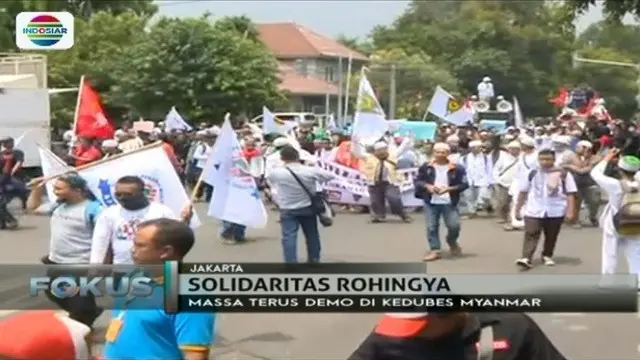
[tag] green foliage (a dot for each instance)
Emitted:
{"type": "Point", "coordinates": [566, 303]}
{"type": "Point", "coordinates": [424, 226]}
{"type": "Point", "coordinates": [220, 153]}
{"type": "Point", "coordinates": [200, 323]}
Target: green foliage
{"type": "Point", "coordinates": [524, 46]}
{"type": "Point", "coordinates": [613, 9]}
{"type": "Point", "coordinates": [198, 66]}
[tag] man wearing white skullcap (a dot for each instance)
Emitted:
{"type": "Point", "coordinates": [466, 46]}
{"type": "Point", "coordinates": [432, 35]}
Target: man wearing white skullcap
{"type": "Point", "coordinates": [273, 161]}
{"type": "Point", "coordinates": [200, 156]}
{"type": "Point", "coordinates": [109, 148]}
{"type": "Point", "coordinates": [439, 184]}
{"type": "Point", "coordinates": [580, 166]}
{"type": "Point", "coordinates": [562, 146]}
{"type": "Point", "coordinates": [547, 196]}
{"type": "Point", "coordinates": [454, 146]}
{"type": "Point", "coordinates": [504, 173]}
{"type": "Point", "coordinates": [476, 164]}
{"type": "Point", "coordinates": [485, 89]}
{"type": "Point", "coordinates": [527, 161]}
{"type": "Point", "coordinates": [380, 170]}
{"type": "Point", "coordinates": [619, 221]}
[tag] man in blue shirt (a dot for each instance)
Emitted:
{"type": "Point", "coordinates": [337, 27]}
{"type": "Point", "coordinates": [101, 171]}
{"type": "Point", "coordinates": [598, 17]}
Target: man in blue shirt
{"type": "Point", "coordinates": [143, 332]}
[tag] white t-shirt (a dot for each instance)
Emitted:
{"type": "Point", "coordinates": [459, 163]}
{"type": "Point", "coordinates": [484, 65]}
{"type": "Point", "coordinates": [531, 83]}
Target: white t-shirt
{"type": "Point", "coordinates": [116, 227]}
{"type": "Point", "coordinates": [442, 180]}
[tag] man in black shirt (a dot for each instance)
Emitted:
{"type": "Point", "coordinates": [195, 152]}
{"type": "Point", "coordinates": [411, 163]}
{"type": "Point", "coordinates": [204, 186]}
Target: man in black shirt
{"type": "Point", "coordinates": [457, 336]}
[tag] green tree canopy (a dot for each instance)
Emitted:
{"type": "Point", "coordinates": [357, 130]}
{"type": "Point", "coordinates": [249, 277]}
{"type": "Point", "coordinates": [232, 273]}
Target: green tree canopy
{"type": "Point", "coordinates": [202, 69]}
{"type": "Point", "coordinates": [525, 47]}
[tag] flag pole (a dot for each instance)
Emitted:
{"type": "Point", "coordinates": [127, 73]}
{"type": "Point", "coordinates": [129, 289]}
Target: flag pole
{"type": "Point", "coordinates": [101, 161]}
{"type": "Point", "coordinates": [75, 115]}
{"type": "Point", "coordinates": [347, 86]}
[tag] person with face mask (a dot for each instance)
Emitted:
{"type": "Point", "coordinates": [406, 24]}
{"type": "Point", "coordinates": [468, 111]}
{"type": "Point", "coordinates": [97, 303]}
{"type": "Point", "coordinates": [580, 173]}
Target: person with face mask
{"type": "Point", "coordinates": [116, 227]}
{"type": "Point", "coordinates": [73, 218]}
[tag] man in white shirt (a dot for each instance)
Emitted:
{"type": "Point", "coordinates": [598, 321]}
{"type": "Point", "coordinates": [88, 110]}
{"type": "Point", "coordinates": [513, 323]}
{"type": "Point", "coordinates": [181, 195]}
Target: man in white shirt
{"type": "Point", "coordinates": [476, 164]}
{"type": "Point", "coordinates": [504, 172]}
{"type": "Point", "coordinates": [116, 226]}
{"type": "Point", "coordinates": [485, 89]}
{"type": "Point", "coordinates": [550, 194]}
{"type": "Point", "coordinates": [200, 156]}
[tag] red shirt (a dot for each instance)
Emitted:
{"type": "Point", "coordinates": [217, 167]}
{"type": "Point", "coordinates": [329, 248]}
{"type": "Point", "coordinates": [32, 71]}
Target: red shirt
{"type": "Point", "coordinates": [85, 155]}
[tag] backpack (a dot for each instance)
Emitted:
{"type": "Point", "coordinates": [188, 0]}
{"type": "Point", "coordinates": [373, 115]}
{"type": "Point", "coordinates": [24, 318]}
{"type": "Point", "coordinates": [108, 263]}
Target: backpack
{"type": "Point", "coordinates": [627, 220]}
{"type": "Point", "coordinates": [563, 176]}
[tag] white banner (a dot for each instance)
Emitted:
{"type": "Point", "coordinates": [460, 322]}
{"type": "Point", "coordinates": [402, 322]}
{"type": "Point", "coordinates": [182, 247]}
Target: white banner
{"type": "Point", "coordinates": [349, 186]}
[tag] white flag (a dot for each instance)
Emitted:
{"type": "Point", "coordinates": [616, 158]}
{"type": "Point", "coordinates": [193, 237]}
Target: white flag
{"type": "Point", "coordinates": [153, 166]}
{"type": "Point", "coordinates": [517, 113]}
{"type": "Point", "coordinates": [235, 194]}
{"type": "Point", "coordinates": [272, 125]}
{"type": "Point", "coordinates": [447, 108]}
{"type": "Point", "coordinates": [174, 121]}
{"type": "Point", "coordinates": [369, 121]}
{"type": "Point", "coordinates": [51, 165]}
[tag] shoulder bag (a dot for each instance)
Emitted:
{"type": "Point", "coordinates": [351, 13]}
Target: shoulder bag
{"type": "Point", "coordinates": [319, 206]}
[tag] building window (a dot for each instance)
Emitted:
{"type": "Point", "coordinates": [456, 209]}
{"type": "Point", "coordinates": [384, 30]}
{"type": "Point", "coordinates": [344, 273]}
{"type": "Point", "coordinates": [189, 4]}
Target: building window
{"type": "Point", "coordinates": [301, 67]}
{"type": "Point", "coordinates": [329, 74]}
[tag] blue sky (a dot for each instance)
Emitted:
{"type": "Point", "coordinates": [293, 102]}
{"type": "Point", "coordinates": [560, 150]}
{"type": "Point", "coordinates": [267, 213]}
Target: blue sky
{"type": "Point", "coordinates": [329, 17]}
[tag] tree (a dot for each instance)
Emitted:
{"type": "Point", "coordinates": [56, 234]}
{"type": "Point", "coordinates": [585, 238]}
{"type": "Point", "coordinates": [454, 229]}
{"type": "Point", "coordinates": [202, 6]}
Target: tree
{"type": "Point", "coordinates": [362, 46]}
{"type": "Point", "coordinates": [613, 9]}
{"type": "Point", "coordinates": [201, 69]}
{"type": "Point", "coordinates": [416, 78]}
{"type": "Point", "coordinates": [99, 44]}
{"type": "Point", "coordinates": [617, 85]}
{"type": "Point", "coordinates": [611, 41]}
{"type": "Point", "coordinates": [525, 47]}
{"type": "Point", "coordinates": [612, 34]}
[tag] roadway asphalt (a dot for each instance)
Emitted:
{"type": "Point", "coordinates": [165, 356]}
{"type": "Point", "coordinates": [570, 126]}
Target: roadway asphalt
{"type": "Point", "coordinates": [352, 239]}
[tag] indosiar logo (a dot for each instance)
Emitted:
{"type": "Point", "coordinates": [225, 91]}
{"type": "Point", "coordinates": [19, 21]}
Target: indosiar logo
{"type": "Point", "coordinates": [44, 30]}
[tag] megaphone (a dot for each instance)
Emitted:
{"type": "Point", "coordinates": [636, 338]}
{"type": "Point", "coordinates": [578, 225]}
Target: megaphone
{"type": "Point", "coordinates": [481, 106]}
{"type": "Point", "coordinates": [504, 106]}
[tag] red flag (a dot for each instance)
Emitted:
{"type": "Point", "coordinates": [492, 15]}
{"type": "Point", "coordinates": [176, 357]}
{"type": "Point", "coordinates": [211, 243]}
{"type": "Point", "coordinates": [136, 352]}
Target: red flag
{"type": "Point", "coordinates": [562, 99]}
{"type": "Point", "coordinates": [91, 121]}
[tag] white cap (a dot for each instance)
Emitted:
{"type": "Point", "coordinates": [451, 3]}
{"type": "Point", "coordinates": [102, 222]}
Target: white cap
{"type": "Point", "coordinates": [380, 145]}
{"type": "Point", "coordinates": [526, 141]}
{"type": "Point", "coordinates": [486, 79]}
{"type": "Point", "coordinates": [109, 144]}
{"type": "Point", "coordinates": [513, 145]}
{"type": "Point", "coordinates": [500, 97]}
{"type": "Point", "coordinates": [441, 146]}
{"type": "Point", "coordinates": [281, 141]}
{"type": "Point", "coordinates": [214, 130]}
{"type": "Point", "coordinates": [509, 137]}
{"type": "Point", "coordinates": [475, 143]}
{"type": "Point", "coordinates": [453, 138]}
{"type": "Point", "coordinates": [585, 143]}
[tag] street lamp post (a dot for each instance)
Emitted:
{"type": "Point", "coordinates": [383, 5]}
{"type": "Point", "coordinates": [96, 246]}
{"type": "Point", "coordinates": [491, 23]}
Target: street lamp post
{"type": "Point", "coordinates": [577, 59]}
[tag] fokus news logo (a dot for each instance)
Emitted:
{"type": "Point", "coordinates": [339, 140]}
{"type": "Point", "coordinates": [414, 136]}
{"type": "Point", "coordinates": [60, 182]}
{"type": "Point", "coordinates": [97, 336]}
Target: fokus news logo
{"type": "Point", "coordinates": [44, 30]}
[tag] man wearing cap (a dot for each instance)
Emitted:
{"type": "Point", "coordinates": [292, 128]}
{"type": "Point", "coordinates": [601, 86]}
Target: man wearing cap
{"type": "Point", "coordinates": [504, 173]}
{"type": "Point", "coordinates": [200, 156]}
{"type": "Point", "coordinates": [549, 193]}
{"type": "Point", "coordinates": [380, 169]}
{"type": "Point", "coordinates": [580, 166]}
{"type": "Point", "coordinates": [485, 89]}
{"type": "Point", "coordinates": [109, 148]}
{"type": "Point", "coordinates": [612, 240]}
{"type": "Point", "coordinates": [456, 336]}
{"type": "Point", "coordinates": [477, 166]}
